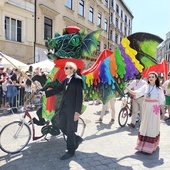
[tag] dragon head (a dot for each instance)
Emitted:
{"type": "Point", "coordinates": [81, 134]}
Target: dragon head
{"type": "Point", "coordinates": [74, 43]}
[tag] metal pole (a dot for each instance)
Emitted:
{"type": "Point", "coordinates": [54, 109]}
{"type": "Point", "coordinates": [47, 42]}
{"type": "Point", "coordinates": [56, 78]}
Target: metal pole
{"type": "Point", "coordinates": [35, 23]}
{"type": "Point", "coordinates": [109, 27]}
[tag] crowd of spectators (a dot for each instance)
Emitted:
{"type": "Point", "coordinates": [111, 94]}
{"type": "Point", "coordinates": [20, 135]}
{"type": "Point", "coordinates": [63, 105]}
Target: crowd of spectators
{"type": "Point", "coordinates": [19, 89]}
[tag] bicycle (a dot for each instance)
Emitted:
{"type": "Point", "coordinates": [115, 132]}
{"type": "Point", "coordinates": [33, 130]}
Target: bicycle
{"type": "Point", "coordinates": [15, 136]}
{"type": "Point", "coordinates": [125, 111]}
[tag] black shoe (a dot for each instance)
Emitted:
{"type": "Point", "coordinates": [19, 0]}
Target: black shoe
{"type": "Point", "coordinates": [131, 125]}
{"type": "Point", "coordinates": [168, 118]}
{"type": "Point", "coordinates": [39, 122]}
{"type": "Point", "coordinates": [67, 155]}
{"type": "Point", "coordinates": [79, 140]}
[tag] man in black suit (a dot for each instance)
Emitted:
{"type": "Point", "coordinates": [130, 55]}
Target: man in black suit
{"type": "Point", "coordinates": [70, 108]}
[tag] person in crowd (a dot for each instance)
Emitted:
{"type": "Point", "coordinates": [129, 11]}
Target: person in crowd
{"type": "Point", "coordinates": [37, 71]}
{"type": "Point", "coordinates": [70, 108]}
{"type": "Point", "coordinates": [30, 70]}
{"type": "Point", "coordinates": [161, 78]}
{"type": "Point", "coordinates": [166, 87]}
{"type": "Point", "coordinates": [21, 86]}
{"type": "Point", "coordinates": [2, 79]}
{"type": "Point", "coordinates": [105, 108]}
{"type": "Point", "coordinates": [149, 131]}
{"type": "Point", "coordinates": [28, 90]}
{"type": "Point", "coordinates": [8, 72]}
{"type": "Point", "coordinates": [136, 102]}
{"type": "Point", "coordinates": [5, 85]}
{"type": "Point", "coordinates": [17, 77]}
{"type": "Point", "coordinates": [39, 76]}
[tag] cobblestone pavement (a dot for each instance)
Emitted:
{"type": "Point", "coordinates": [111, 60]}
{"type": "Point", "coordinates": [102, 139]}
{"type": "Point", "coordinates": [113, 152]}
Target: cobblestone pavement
{"type": "Point", "coordinates": [105, 147]}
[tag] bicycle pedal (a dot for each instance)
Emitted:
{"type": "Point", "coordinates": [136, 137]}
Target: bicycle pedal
{"type": "Point", "coordinates": [45, 137]}
{"type": "Point", "coordinates": [29, 122]}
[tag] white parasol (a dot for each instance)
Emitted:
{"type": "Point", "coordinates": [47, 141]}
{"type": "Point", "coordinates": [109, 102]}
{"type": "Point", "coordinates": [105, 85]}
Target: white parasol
{"type": "Point", "coordinates": [9, 62]}
{"type": "Point", "coordinates": [45, 65]}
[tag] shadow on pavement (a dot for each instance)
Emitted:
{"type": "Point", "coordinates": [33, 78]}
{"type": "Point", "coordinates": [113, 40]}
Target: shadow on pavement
{"type": "Point", "coordinates": [103, 126]}
{"type": "Point", "coordinates": [149, 160]}
{"type": "Point", "coordinates": [45, 156]}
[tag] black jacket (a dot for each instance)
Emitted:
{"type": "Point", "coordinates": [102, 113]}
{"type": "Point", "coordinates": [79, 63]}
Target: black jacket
{"type": "Point", "coordinates": [72, 95]}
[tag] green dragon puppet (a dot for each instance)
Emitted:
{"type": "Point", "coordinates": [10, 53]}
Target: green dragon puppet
{"type": "Point", "coordinates": [107, 76]}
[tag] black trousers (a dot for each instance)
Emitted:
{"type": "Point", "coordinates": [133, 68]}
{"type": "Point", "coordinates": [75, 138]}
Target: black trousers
{"type": "Point", "coordinates": [68, 126]}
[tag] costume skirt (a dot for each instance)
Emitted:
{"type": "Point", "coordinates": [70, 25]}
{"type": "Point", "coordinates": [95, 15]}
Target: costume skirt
{"type": "Point", "coordinates": [149, 132]}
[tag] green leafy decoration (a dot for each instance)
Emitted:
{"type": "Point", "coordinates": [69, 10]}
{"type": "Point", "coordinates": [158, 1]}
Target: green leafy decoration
{"type": "Point", "coordinates": [149, 47]}
{"type": "Point", "coordinates": [89, 44]}
{"type": "Point", "coordinates": [148, 52]}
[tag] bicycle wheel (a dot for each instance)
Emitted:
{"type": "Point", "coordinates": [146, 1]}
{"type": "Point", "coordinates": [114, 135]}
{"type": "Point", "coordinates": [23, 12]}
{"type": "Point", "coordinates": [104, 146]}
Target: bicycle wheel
{"type": "Point", "coordinates": [123, 116]}
{"type": "Point", "coordinates": [14, 137]}
{"type": "Point", "coordinates": [80, 128]}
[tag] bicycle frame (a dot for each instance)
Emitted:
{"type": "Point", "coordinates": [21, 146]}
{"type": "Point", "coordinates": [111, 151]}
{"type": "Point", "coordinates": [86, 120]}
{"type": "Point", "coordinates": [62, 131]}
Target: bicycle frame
{"type": "Point", "coordinates": [22, 130]}
{"type": "Point", "coordinates": [27, 114]}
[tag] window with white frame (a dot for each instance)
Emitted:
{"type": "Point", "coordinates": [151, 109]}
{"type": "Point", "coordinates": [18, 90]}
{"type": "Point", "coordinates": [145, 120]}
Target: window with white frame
{"type": "Point", "coordinates": [48, 26]}
{"type": "Point", "coordinates": [111, 3]}
{"type": "Point", "coordinates": [116, 38]}
{"type": "Point", "coordinates": [13, 29]}
{"type": "Point", "coordinates": [99, 21]}
{"type": "Point", "coordinates": [128, 32]}
{"type": "Point", "coordinates": [126, 18]}
{"type": "Point", "coordinates": [168, 57]}
{"type": "Point", "coordinates": [98, 45]}
{"type": "Point", "coordinates": [166, 47]}
{"type": "Point", "coordinates": [81, 8]}
{"type": "Point", "coordinates": [117, 8]}
{"type": "Point", "coordinates": [111, 35]}
{"type": "Point", "coordinates": [121, 14]}
{"type": "Point", "coordinates": [125, 31]}
{"type": "Point", "coordinates": [91, 13]}
{"type": "Point", "coordinates": [69, 4]}
{"type": "Point", "coordinates": [117, 23]}
{"type": "Point", "coordinates": [106, 3]}
{"type": "Point", "coordinates": [121, 26]}
{"type": "Point", "coordinates": [105, 24]}
{"type": "Point", "coordinates": [111, 17]}
{"type": "Point", "coordinates": [129, 23]}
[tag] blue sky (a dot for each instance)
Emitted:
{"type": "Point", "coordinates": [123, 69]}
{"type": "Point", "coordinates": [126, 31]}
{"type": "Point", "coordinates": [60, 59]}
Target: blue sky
{"type": "Point", "coordinates": [152, 16]}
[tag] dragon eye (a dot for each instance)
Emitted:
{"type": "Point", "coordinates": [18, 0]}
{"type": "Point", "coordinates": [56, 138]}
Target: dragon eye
{"type": "Point", "coordinates": [75, 40]}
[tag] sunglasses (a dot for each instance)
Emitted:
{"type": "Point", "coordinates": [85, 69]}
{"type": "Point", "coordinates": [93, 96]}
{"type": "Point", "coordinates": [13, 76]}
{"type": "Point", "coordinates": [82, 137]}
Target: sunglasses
{"type": "Point", "coordinates": [66, 68]}
{"type": "Point", "coordinates": [168, 74]}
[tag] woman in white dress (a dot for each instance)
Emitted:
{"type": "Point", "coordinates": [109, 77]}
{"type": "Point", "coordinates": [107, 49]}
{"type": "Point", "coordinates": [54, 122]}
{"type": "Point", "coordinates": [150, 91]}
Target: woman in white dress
{"type": "Point", "coordinates": [149, 132]}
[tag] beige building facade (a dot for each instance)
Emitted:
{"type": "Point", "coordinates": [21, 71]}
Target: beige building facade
{"type": "Point", "coordinates": [163, 50]}
{"type": "Point", "coordinates": [26, 24]}
{"type": "Point", "coordinates": [16, 29]}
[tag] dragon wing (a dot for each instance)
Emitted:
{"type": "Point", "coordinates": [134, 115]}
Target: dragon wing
{"type": "Point", "coordinates": [112, 70]}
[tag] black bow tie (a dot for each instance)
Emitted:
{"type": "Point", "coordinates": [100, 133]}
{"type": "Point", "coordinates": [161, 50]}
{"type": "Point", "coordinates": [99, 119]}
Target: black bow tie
{"type": "Point", "coordinates": [67, 80]}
